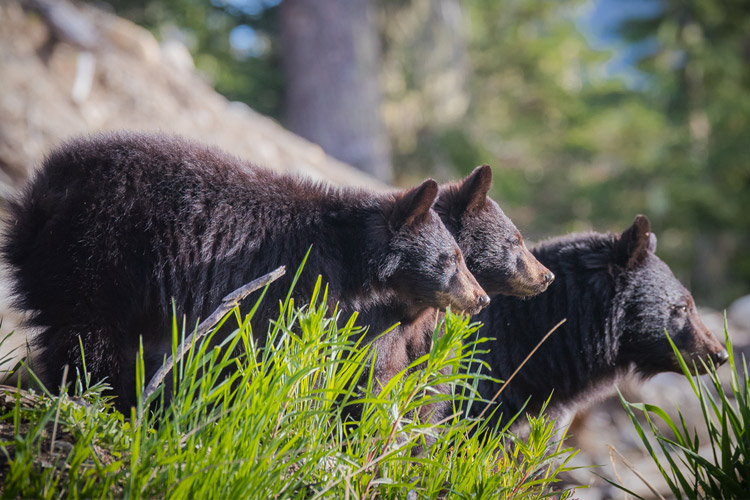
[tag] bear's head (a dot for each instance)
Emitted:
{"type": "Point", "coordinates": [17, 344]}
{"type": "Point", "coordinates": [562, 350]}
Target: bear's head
{"type": "Point", "coordinates": [421, 261]}
{"type": "Point", "coordinates": [494, 249]}
{"type": "Point", "coordinates": [651, 301]}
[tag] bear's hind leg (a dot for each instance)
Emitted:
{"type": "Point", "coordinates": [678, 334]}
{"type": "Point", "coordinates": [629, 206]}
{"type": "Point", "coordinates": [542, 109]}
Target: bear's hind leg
{"type": "Point", "coordinates": [104, 360]}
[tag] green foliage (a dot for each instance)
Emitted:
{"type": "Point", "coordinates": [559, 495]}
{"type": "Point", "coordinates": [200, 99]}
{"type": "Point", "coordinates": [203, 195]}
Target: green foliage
{"type": "Point", "coordinates": [9, 360]}
{"type": "Point", "coordinates": [38, 466]}
{"type": "Point", "coordinates": [693, 467]}
{"type": "Point", "coordinates": [575, 147]}
{"type": "Point", "coordinates": [550, 121]}
{"type": "Point", "coordinates": [698, 76]}
{"type": "Point", "coordinates": [250, 422]}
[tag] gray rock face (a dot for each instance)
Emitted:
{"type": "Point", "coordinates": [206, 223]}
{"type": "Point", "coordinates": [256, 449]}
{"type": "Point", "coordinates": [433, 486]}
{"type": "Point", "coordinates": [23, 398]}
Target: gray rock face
{"type": "Point", "coordinates": [136, 85]}
{"type": "Point", "coordinates": [739, 312]}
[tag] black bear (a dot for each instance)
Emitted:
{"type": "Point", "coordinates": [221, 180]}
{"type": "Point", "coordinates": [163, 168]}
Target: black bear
{"type": "Point", "coordinates": [618, 298]}
{"type": "Point", "coordinates": [495, 254]}
{"type": "Point", "coordinates": [114, 228]}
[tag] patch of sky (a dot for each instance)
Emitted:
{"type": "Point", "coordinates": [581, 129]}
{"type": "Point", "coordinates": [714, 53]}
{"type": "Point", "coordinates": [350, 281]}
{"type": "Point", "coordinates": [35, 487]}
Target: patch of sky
{"type": "Point", "coordinates": [251, 8]}
{"type": "Point", "coordinates": [600, 20]}
{"type": "Point", "coordinates": [246, 42]}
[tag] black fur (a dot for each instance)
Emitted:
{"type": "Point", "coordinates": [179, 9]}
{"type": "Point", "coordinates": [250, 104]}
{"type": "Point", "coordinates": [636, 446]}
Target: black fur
{"type": "Point", "coordinates": [495, 254]}
{"type": "Point", "coordinates": [618, 298]}
{"type": "Point", "coordinates": [115, 227]}
{"type": "Point", "coordinates": [494, 249]}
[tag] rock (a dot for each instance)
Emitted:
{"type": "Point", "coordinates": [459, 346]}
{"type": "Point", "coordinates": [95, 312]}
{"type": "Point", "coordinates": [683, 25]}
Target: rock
{"type": "Point", "coordinates": [133, 40]}
{"type": "Point", "coordinates": [65, 22]}
{"type": "Point", "coordinates": [136, 84]}
{"type": "Point", "coordinates": [175, 53]}
{"type": "Point", "coordinates": [739, 312]}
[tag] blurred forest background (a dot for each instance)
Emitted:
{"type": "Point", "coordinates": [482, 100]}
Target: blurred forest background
{"type": "Point", "coordinates": [589, 111]}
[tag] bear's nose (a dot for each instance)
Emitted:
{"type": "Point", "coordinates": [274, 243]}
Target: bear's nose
{"type": "Point", "coordinates": [721, 357]}
{"type": "Point", "coordinates": [484, 301]}
{"type": "Point", "coordinates": [549, 278]}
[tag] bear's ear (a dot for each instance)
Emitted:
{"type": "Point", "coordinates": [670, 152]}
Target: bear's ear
{"type": "Point", "coordinates": [635, 242]}
{"type": "Point", "coordinates": [473, 191]}
{"type": "Point", "coordinates": [414, 205]}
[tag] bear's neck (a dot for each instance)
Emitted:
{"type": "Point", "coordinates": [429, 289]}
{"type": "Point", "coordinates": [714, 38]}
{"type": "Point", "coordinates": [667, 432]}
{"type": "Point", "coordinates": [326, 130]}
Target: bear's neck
{"type": "Point", "coordinates": [413, 321]}
{"type": "Point", "coordinates": [336, 229]}
{"type": "Point", "coordinates": [576, 360]}
{"type": "Point", "coordinates": [346, 227]}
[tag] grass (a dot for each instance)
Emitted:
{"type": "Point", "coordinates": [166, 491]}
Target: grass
{"type": "Point", "coordinates": [709, 458]}
{"type": "Point", "coordinates": [250, 422]}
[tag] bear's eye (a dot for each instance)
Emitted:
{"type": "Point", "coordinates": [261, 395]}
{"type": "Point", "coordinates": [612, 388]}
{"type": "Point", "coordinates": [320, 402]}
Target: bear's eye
{"type": "Point", "coordinates": [683, 309]}
{"type": "Point", "coordinates": [516, 242]}
{"type": "Point", "coordinates": [453, 260]}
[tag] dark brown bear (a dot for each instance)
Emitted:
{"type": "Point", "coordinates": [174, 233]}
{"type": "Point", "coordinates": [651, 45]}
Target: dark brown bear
{"type": "Point", "coordinates": [495, 254]}
{"type": "Point", "coordinates": [618, 298]}
{"type": "Point", "coordinates": [114, 228]}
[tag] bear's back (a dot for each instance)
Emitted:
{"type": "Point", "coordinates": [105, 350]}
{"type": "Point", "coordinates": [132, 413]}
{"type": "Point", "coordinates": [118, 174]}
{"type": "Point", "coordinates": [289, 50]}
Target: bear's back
{"type": "Point", "coordinates": [119, 218]}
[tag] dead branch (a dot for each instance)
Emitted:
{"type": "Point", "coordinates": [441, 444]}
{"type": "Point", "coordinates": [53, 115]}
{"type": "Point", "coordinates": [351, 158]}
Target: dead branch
{"type": "Point", "coordinates": [227, 304]}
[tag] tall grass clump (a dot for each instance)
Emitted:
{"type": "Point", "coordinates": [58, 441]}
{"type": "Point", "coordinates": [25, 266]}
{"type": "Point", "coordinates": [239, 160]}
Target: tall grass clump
{"type": "Point", "coordinates": [10, 358]}
{"type": "Point", "coordinates": [272, 422]}
{"type": "Point", "coordinates": [709, 458]}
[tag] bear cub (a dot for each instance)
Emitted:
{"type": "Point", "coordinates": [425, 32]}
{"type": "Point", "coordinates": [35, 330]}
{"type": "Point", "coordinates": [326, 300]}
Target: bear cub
{"type": "Point", "coordinates": [618, 298]}
{"type": "Point", "coordinates": [115, 227]}
{"type": "Point", "coordinates": [495, 254]}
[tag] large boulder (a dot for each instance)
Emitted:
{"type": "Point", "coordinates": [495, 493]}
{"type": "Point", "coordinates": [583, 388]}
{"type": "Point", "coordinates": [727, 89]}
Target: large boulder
{"type": "Point", "coordinates": [74, 69]}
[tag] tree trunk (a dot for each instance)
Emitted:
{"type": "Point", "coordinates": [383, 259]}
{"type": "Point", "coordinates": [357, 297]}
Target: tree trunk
{"type": "Point", "coordinates": [330, 55]}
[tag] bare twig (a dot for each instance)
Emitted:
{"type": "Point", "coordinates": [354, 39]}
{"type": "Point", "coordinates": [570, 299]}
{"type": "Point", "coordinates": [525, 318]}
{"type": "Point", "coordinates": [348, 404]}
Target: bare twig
{"type": "Point", "coordinates": [502, 388]}
{"type": "Point", "coordinates": [9, 395]}
{"type": "Point", "coordinates": [227, 304]}
{"type": "Point", "coordinates": [612, 452]}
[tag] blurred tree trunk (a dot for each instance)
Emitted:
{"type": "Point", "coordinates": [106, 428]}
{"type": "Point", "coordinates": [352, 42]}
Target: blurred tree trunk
{"type": "Point", "coordinates": [425, 71]}
{"type": "Point", "coordinates": [330, 56]}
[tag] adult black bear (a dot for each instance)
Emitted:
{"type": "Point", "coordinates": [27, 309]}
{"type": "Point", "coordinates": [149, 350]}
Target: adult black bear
{"type": "Point", "coordinates": [618, 298]}
{"type": "Point", "coordinates": [115, 227]}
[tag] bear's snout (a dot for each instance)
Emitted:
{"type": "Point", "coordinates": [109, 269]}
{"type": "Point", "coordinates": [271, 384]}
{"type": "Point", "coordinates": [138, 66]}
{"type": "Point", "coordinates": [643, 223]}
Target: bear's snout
{"type": "Point", "coordinates": [531, 278]}
{"type": "Point", "coordinates": [484, 301]}
{"type": "Point", "coordinates": [478, 297]}
{"type": "Point", "coordinates": [709, 346]}
{"type": "Point", "coordinates": [720, 357]}
{"type": "Point", "coordinates": [464, 293]}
